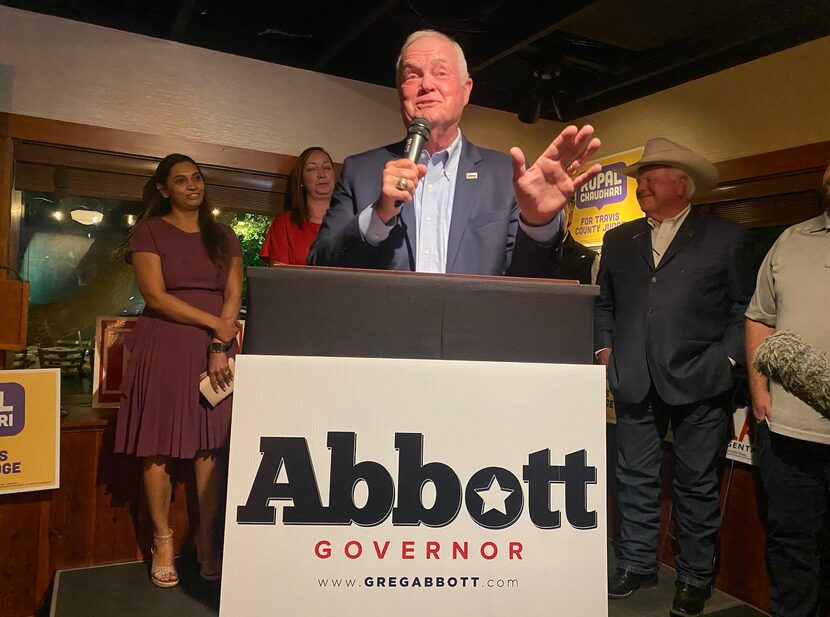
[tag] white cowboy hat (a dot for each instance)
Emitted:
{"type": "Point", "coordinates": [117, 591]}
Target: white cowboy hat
{"type": "Point", "coordinates": [661, 151]}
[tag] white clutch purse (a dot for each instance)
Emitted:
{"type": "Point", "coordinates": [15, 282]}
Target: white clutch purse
{"type": "Point", "coordinates": [214, 398]}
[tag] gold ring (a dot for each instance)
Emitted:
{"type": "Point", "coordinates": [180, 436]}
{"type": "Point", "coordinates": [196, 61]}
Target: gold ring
{"type": "Point", "coordinates": [402, 184]}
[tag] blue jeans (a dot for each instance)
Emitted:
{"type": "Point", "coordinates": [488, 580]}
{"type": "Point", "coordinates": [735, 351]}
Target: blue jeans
{"type": "Point", "coordinates": [700, 434]}
{"type": "Point", "coordinates": [796, 477]}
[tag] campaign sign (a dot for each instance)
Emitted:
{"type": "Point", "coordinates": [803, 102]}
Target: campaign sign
{"type": "Point", "coordinates": [368, 487]}
{"type": "Point", "coordinates": [606, 201]}
{"type": "Point", "coordinates": [29, 430]}
{"type": "Point", "coordinates": [741, 444]}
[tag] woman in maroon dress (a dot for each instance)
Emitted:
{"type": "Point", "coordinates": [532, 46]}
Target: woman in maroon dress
{"type": "Point", "coordinates": [310, 185]}
{"type": "Point", "coordinates": [189, 270]}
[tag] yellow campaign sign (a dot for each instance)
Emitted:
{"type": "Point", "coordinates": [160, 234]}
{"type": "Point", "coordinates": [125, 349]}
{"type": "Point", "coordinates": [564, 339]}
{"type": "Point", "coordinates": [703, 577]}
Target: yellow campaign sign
{"type": "Point", "coordinates": [29, 430]}
{"type": "Point", "coordinates": [606, 201]}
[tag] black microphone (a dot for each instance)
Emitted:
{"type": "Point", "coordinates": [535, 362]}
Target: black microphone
{"type": "Point", "coordinates": [417, 136]}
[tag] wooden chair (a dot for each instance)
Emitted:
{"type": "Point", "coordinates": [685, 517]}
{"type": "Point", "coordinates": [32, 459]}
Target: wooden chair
{"type": "Point", "coordinates": [20, 359]}
{"type": "Point", "coordinates": [65, 358]}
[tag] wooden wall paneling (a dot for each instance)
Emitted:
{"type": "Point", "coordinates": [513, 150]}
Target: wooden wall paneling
{"type": "Point", "coordinates": [106, 185]}
{"type": "Point", "coordinates": [773, 189]}
{"type": "Point", "coordinates": [62, 156]}
{"type": "Point", "coordinates": [21, 552]}
{"type": "Point", "coordinates": [45, 574]}
{"type": "Point", "coordinates": [6, 182]}
{"type": "Point", "coordinates": [741, 555]}
{"type": "Point", "coordinates": [142, 167]}
{"type": "Point", "coordinates": [810, 156]}
{"type": "Point", "coordinates": [242, 200]}
{"type": "Point", "coordinates": [84, 183]}
{"type": "Point", "coordinates": [772, 211]}
{"type": "Point", "coordinates": [72, 520]}
{"type": "Point", "coordinates": [28, 128]}
{"type": "Point", "coordinates": [768, 186]}
{"type": "Point", "coordinates": [117, 498]}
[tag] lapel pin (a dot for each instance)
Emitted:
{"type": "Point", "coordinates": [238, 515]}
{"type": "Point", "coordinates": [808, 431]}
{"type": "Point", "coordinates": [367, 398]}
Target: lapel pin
{"type": "Point", "coordinates": [472, 175]}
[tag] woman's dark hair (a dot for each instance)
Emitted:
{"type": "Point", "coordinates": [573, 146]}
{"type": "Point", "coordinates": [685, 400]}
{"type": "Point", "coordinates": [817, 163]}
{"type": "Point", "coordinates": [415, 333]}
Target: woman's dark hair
{"type": "Point", "coordinates": [156, 204]}
{"type": "Point", "coordinates": [295, 195]}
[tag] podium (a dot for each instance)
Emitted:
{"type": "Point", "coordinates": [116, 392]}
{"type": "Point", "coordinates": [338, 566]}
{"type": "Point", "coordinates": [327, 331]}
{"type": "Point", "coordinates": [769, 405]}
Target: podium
{"type": "Point", "coordinates": [307, 311]}
{"type": "Point", "coordinates": [416, 444]}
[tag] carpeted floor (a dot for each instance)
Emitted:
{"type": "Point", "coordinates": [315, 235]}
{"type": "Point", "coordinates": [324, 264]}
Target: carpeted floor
{"type": "Point", "coordinates": [657, 602]}
{"type": "Point", "coordinates": [124, 590]}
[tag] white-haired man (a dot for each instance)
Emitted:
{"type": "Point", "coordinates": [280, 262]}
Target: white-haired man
{"type": "Point", "coordinates": [669, 326]}
{"type": "Point", "coordinates": [461, 208]}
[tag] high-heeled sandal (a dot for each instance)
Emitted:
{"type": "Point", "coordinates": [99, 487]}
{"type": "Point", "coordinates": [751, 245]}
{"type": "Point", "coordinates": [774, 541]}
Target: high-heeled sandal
{"type": "Point", "coordinates": [162, 575]}
{"type": "Point", "coordinates": [210, 570]}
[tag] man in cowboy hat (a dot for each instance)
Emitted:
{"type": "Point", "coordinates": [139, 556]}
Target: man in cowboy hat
{"type": "Point", "coordinates": [668, 326]}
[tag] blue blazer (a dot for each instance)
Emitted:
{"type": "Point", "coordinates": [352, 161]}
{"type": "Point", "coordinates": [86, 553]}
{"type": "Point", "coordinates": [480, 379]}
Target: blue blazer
{"type": "Point", "coordinates": [676, 325]}
{"type": "Point", "coordinates": [484, 237]}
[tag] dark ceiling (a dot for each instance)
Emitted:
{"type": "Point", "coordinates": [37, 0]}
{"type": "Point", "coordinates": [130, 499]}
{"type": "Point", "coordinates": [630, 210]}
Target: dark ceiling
{"type": "Point", "coordinates": [559, 58]}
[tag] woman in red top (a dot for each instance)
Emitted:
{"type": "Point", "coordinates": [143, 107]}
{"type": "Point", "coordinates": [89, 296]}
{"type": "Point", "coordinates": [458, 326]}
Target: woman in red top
{"type": "Point", "coordinates": [310, 185]}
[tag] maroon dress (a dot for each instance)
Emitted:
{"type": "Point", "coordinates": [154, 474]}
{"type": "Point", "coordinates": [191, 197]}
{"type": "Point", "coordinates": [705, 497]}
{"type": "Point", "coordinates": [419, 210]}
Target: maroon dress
{"type": "Point", "coordinates": [162, 412]}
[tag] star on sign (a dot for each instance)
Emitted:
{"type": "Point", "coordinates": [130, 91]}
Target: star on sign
{"type": "Point", "coordinates": [494, 497]}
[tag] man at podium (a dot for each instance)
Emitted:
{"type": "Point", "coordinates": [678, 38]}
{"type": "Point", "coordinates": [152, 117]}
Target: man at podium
{"type": "Point", "coordinates": [452, 207]}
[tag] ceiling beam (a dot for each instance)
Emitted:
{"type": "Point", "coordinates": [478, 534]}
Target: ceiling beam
{"type": "Point", "coordinates": [812, 17]}
{"type": "Point", "coordinates": [552, 15]}
{"type": "Point", "coordinates": [332, 47]}
{"type": "Point", "coordinates": [183, 15]}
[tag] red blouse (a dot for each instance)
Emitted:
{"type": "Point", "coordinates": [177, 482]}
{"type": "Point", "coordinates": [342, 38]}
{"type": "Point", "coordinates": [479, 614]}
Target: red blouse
{"type": "Point", "coordinates": [287, 243]}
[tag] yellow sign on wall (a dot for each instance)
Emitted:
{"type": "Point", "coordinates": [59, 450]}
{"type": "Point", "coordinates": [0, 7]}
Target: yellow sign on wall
{"type": "Point", "coordinates": [29, 430]}
{"type": "Point", "coordinates": [606, 201]}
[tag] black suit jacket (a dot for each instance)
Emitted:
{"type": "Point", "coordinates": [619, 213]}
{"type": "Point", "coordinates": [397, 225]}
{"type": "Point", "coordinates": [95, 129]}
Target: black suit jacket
{"type": "Point", "coordinates": [575, 262]}
{"type": "Point", "coordinates": [674, 326]}
{"type": "Point", "coordinates": [484, 236]}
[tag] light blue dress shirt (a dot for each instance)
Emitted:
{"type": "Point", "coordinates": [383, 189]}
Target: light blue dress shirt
{"type": "Point", "coordinates": [433, 202]}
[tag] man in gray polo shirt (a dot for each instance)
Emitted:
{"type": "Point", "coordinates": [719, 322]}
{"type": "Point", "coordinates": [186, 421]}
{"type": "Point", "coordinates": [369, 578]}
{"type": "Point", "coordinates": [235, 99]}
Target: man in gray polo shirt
{"type": "Point", "coordinates": [793, 294]}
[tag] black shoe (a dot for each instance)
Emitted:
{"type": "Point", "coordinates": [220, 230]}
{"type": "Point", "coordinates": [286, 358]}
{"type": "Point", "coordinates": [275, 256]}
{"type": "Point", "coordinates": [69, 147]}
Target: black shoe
{"type": "Point", "coordinates": [689, 600]}
{"type": "Point", "coordinates": [623, 583]}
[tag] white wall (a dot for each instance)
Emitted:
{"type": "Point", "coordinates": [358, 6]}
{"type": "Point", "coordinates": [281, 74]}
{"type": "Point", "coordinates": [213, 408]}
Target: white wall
{"type": "Point", "coordinates": [64, 70]}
